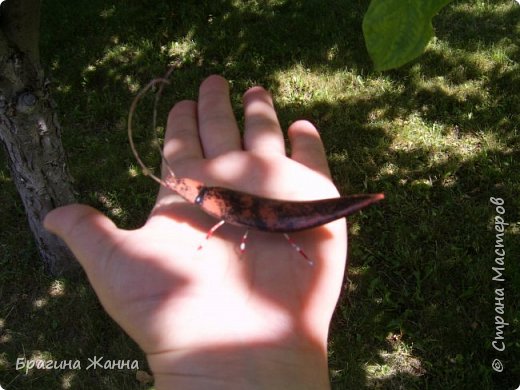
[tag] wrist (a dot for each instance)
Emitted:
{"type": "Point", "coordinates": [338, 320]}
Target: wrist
{"type": "Point", "coordinates": [245, 367]}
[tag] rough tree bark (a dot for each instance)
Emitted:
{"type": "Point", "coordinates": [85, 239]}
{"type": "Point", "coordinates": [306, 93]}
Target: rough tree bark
{"type": "Point", "coordinates": [29, 131]}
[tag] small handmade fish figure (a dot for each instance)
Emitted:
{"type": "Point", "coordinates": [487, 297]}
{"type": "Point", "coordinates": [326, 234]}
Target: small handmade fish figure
{"type": "Point", "coordinates": [250, 211]}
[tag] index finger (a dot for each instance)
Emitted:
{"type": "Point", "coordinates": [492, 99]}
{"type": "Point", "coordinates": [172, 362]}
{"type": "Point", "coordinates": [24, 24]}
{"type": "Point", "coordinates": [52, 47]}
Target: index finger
{"type": "Point", "coordinates": [181, 141]}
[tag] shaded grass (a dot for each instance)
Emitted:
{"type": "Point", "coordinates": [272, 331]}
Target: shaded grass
{"type": "Point", "coordinates": [439, 137]}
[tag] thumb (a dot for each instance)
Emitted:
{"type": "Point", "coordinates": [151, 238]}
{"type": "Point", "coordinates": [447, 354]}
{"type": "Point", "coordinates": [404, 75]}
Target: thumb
{"type": "Point", "coordinates": [89, 234]}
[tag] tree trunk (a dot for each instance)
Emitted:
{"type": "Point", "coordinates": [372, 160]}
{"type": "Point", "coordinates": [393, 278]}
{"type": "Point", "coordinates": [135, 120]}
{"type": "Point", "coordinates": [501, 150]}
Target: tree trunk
{"type": "Point", "coordinates": [29, 131]}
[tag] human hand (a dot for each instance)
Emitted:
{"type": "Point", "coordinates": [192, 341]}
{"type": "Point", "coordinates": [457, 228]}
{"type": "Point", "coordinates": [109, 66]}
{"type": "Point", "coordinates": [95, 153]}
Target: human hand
{"type": "Point", "coordinates": [211, 317]}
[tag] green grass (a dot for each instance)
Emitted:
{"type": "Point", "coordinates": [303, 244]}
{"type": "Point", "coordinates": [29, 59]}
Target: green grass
{"type": "Point", "coordinates": [438, 136]}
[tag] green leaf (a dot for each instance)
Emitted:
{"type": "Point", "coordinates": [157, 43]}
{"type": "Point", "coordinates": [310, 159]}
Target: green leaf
{"type": "Point", "coordinates": [397, 31]}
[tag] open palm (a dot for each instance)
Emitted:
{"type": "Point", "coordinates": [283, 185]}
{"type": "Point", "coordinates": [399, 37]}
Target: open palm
{"type": "Point", "coordinates": [177, 301]}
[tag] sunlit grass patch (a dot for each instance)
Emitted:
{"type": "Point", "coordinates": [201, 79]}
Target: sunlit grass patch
{"type": "Point", "coordinates": [300, 84]}
{"type": "Point", "coordinates": [183, 50]}
{"type": "Point", "coordinates": [396, 360]}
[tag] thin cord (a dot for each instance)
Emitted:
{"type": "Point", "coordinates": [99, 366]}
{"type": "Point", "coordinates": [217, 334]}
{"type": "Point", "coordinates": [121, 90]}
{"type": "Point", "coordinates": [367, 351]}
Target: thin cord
{"type": "Point", "coordinates": [133, 106]}
{"type": "Point", "coordinates": [154, 119]}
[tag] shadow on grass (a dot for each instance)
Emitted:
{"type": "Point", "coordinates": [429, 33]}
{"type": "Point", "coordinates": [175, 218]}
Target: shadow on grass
{"type": "Point", "coordinates": [420, 265]}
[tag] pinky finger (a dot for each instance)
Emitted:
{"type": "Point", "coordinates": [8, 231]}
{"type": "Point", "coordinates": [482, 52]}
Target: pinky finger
{"type": "Point", "coordinates": [307, 148]}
